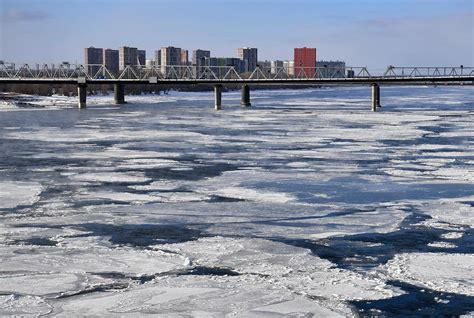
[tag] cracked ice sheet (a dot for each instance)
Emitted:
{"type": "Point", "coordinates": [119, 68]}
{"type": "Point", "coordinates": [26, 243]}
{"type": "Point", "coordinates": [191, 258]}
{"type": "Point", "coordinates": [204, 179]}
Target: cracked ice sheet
{"type": "Point", "coordinates": [288, 267]}
{"type": "Point", "coordinates": [91, 259]}
{"type": "Point", "coordinates": [43, 271]}
{"type": "Point", "coordinates": [452, 211]}
{"type": "Point", "coordinates": [458, 173]}
{"type": "Point", "coordinates": [53, 134]}
{"type": "Point", "coordinates": [199, 297]}
{"type": "Point", "coordinates": [111, 177]}
{"type": "Point", "coordinates": [13, 194]}
{"type": "Point", "coordinates": [24, 306]}
{"type": "Point", "coordinates": [134, 198]}
{"type": "Point", "coordinates": [246, 185]}
{"type": "Point", "coordinates": [269, 220]}
{"type": "Point", "coordinates": [438, 271]}
{"type": "Point", "coordinates": [305, 187]}
{"type": "Point", "coordinates": [109, 153]}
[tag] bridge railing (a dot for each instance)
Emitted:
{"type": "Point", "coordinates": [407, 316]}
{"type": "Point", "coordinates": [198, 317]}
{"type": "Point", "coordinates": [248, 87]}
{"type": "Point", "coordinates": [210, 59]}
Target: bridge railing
{"type": "Point", "coordinates": [224, 73]}
{"type": "Point", "coordinates": [433, 71]}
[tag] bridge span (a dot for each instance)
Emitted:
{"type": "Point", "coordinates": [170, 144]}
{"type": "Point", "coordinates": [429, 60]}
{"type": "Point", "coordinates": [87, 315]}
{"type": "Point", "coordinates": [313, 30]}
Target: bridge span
{"type": "Point", "coordinates": [220, 76]}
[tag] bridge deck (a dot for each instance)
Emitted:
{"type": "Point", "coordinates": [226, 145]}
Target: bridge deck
{"type": "Point", "coordinates": [294, 81]}
{"type": "Point", "coordinates": [214, 75]}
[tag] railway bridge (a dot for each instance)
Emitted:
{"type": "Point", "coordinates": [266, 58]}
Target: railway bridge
{"type": "Point", "coordinates": [221, 76]}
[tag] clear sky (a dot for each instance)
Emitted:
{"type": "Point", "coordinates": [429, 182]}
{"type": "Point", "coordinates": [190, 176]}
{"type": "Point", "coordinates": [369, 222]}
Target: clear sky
{"type": "Point", "coordinates": [373, 33]}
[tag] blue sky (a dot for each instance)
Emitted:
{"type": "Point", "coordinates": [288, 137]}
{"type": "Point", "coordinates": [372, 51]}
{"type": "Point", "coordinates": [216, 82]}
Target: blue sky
{"type": "Point", "coordinates": [373, 33]}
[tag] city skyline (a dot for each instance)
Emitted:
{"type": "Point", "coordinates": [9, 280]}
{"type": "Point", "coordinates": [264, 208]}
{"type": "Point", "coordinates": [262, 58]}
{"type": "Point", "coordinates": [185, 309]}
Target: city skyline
{"type": "Point", "coordinates": [368, 33]}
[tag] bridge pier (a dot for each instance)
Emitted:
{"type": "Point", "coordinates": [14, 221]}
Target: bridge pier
{"type": "Point", "coordinates": [377, 101]}
{"type": "Point", "coordinates": [375, 96]}
{"type": "Point", "coordinates": [217, 97]}
{"type": "Point", "coordinates": [82, 95]}
{"type": "Point", "coordinates": [119, 93]}
{"type": "Point", "coordinates": [245, 100]}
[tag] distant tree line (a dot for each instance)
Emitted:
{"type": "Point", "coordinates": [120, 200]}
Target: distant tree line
{"type": "Point", "coordinates": [71, 89]}
{"type": "Point", "coordinates": [130, 89]}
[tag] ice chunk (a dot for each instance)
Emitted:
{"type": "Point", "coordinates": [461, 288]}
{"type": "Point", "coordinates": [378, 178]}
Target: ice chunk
{"type": "Point", "coordinates": [13, 194]}
{"type": "Point", "coordinates": [450, 273]}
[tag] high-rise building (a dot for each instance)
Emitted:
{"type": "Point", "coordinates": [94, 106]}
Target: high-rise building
{"type": "Point", "coordinates": [170, 56]}
{"type": "Point", "coordinates": [127, 56]}
{"type": "Point", "coordinates": [111, 60]}
{"type": "Point", "coordinates": [265, 67]}
{"type": "Point", "coordinates": [184, 57]}
{"type": "Point", "coordinates": [93, 59]}
{"type": "Point", "coordinates": [220, 65]}
{"type": "Point", "coordinates": [238, 64]}
{"type": "Point", "coordinates": [199, 61]}
{"type": "Point", "coordinates": [214, 64]}
{"type": "Point", "coordinates": [276, 66]}
{"type": "Point", "coordinates": [158, 58]}
{"type": "Point", "coordinates": [141, 57]}
{"type": "Point", "coordinates": [199, 56]}
{"type": "Point", "coordinates": [331, 69]}
{"type": "Point", "coordinates": [249, 55]}
{"type": "Point", "coordinates": [305, 62]}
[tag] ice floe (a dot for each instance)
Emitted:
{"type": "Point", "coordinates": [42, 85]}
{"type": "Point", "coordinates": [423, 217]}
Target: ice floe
{"type": "Point", "coordinates": [439, 271]}
{"type": "Point", "coordinates": [13, 194]}
{"type": "Point", "coordinates": [112, 177]}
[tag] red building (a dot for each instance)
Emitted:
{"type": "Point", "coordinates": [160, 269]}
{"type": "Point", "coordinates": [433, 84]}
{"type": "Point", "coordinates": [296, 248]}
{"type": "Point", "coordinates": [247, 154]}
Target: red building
{"type": "Point", "coordinates": [305, 62]}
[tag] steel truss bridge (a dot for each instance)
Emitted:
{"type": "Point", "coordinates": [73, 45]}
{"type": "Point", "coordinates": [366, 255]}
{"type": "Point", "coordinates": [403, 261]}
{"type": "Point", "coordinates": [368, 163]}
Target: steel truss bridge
{"type": "Point", "coordinates": [219, 76]}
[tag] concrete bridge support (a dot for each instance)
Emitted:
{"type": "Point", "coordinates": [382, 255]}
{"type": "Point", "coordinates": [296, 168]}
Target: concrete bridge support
{"type": "Point", "coordinates": [245, 100]}
{"type": "Point", "coordinates": [375, 96]}
{"type": "Point", "coordinates": [119, 93]}
{"type": "Point", "coordinates": [377, 101]}
{"type": "Point", "coordinates": [218, 97]}
{"type": "Point", "coordinates": [82, 95]}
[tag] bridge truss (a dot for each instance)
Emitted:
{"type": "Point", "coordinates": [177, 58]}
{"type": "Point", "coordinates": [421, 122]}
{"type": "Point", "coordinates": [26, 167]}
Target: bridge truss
{"type": "Point", "coordinates": [70, 72]}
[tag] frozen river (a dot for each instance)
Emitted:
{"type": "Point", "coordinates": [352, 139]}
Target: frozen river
{"type": "Point", "coordinates": [307, 203]}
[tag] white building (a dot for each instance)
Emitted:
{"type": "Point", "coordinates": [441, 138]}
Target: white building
{"type": "Point", "coordinates": [289, 67]}
{"type": "Point", "coordinates": [275, 66]}
{"type": "Point", "coordinates": [150, 63]}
